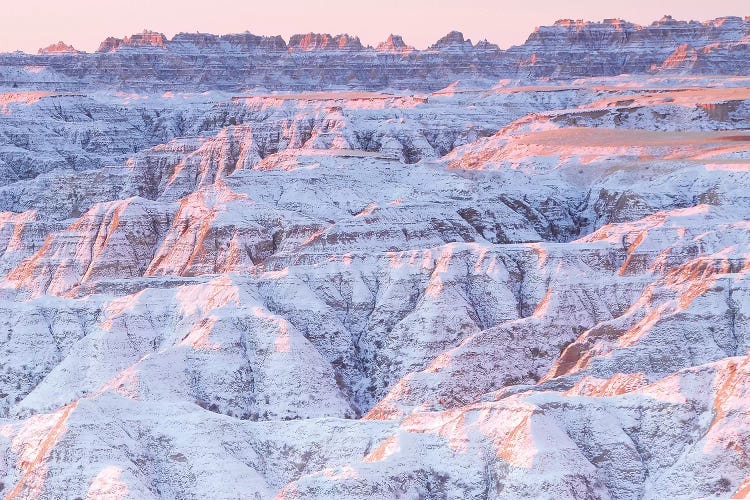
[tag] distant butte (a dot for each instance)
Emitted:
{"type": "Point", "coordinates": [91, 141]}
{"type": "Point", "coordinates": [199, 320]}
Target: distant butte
{"type": "Point", "coordinates": [454, 40]}
{"type": "Point", "coordinates": [567, 49]}
{"type": "Point", "coordinates": [394, 43]}
{"type": "Point", "coordinates": [324, 41]}
{"type": "Point", "coordinates": [145, 39]}
{"type": "Point", "coordinates": [59, 48]}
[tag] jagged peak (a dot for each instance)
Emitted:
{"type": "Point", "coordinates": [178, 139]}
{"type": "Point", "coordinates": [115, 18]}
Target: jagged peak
{"type": "Point", "coordinates": [728, 23]}
{"type": "Point", "coordinates": [614, 23]}
{"type": "Point", "coordinates": [485, 44]}
{"type": "Point", "coordinates": [324, 41]}
{"type": "Point", "coordinates": [59, 48]}
{"type": "Point", "coordinates": [245, 40]}
{"type": "Point", "coordinates": [453, 39]}
{"type": "Point", "coordinates": [146, 38]}
{"type": "Point", "coordinates": [721, 21]}
{"type": "Point", "coordinates": [394, 43]}
{"type": "Point", "coordinates": [666, 20]}
{"type": "Point", "coordinates": [249, 40]}
{"type": "Point", "coordinates": [619, 24]}
{"type": "Point", "coordinates": [569, 22]}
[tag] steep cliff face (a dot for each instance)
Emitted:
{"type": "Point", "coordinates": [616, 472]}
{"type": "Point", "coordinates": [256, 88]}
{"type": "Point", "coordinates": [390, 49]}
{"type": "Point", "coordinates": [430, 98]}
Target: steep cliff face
{"type": "Point", "coordinates": [394, 43]}
{"type": "Point", "coordinates": [578, 48]}
{"type": "Point", "coordinates": [317, 41]}
{"type": "Point", "coordinates": [142, 40]}
{"type": "Point", "coordinates": [58, 48]}
{"type": "Point", "coordinates": [314, 61]}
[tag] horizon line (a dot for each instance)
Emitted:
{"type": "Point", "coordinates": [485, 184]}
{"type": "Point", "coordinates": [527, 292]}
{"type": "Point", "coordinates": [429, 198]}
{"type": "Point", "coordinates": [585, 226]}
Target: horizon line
{"type": "Point", "coordinates": [370, 45]}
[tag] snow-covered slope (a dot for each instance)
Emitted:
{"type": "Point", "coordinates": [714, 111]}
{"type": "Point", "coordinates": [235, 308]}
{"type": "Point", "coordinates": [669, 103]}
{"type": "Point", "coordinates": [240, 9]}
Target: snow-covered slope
{"type": "Point", "coordinates": [497, 291]}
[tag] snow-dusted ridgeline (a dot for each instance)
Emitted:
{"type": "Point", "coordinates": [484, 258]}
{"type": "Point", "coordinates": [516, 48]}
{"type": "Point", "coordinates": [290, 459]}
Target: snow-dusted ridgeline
{"type": "Point", "coordinates": [497, 291]}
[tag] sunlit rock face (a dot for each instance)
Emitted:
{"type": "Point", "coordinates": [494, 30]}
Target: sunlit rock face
{"type": "Point", "coordinates": [314, 61]}
{"type": "Point", "coordinates": [394, 43]}
{"type": "Point", "coordinates": [478, 288]}
{"type": "Point", "coordinates": [59, 48]}
{"type": "Point", "coordinates": [579, 48]}
{"type": "Point", "coordinates": [145, 39]}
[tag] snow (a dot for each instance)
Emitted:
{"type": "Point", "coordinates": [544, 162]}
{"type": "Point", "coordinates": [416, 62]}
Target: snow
{"type": "Point", "coordinates": [534, 289]}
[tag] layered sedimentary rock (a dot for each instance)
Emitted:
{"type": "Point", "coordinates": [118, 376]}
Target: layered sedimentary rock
{"type": "Point", "coordinates": [579, 48]}
{"type": "Point", "coordinates": [59, 48]}
{"type": "Point", "coordinates": [394, 43]}
{"type": "Point", "coordinates": [516, 290]}
{"type": "Point", "coordinates": [145, 39]}
{"type": "Point", "coordinates": [313, 61]}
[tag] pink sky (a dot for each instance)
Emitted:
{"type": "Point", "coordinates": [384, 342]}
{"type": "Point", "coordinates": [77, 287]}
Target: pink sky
{"type": "Point", "coordinates": [30, 24]}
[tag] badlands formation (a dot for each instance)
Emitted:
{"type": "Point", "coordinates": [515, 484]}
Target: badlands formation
{"type": "Point", "coordinates": [243, 267]}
